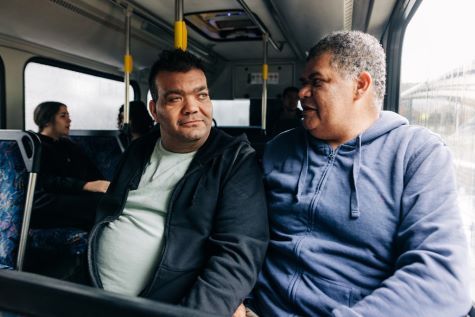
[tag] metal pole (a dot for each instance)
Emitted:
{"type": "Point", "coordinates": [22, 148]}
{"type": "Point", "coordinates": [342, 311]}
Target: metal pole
{"type": "Point", "coordinates": [25, 226]}
{"type": "Point", "coordinates": [265, 70]}
{"type": "Point", "coordinates": [179, 10]}
{"type": "Point", "coordinates": [259, 24]}
{"type": "Point", "coordinates": [181, 36]}
{"type": "Point", "coordinates": [127, 64]}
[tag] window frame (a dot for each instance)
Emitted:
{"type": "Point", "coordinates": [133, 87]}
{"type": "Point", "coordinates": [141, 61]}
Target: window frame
{"type": "Point", "coordinates": [393, 37]}
{"type": "Point", "coordinates": [75, 68]}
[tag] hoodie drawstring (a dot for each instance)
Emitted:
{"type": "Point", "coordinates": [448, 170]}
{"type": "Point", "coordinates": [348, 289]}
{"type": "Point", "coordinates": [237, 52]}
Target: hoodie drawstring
{"type": "Point", "coordinates": [355, 207]}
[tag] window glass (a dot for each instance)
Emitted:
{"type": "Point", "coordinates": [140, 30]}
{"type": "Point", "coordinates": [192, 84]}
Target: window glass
{"type": "Point", "coordinates": [234, 112]}
{"type": "Point", "coordinates": [438, 89]}
{"type": "Point", "coordinates": [93, 102]}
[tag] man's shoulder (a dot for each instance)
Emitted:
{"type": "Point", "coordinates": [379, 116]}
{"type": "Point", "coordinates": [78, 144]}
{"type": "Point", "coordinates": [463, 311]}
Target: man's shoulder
{"type": "Point", "coordinates": [416, 137]}
{"type": "Point", "coordinates": [289, 138]}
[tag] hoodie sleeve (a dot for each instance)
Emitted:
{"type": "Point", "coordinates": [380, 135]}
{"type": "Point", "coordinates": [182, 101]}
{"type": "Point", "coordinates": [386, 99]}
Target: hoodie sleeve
{"type": "Point", "coordinates": [238, 242]}
{"type": "Point", "coordinates": [431, 273]}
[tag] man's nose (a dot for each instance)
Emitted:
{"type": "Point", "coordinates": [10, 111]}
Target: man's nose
{"type": "Point", "coordinates": [304, 92]}
{"type": "Point", "coordinates": [190, 106]}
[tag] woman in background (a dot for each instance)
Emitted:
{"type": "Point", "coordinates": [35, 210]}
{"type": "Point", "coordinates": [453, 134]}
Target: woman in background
{"type": "Point", "coordinates": [69, 185]}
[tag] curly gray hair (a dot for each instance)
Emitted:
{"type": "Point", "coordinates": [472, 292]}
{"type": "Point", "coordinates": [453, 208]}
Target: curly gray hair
{"type": "Point", "coordinates": [352, 53]}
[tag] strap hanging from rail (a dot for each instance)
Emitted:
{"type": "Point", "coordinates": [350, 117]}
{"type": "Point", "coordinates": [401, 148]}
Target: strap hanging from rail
{"type": "Point", "coordinates": [265, 72]}
{"type": "Point", "coordinates": [181, 34]}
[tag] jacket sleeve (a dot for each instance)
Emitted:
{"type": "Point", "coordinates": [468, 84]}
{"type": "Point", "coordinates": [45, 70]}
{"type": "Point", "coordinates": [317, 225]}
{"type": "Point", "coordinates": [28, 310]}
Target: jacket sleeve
{"type": "Point", "coordinates": [431, 273]}
{"type": "Point", "coordinates": [67, 184]}
{"type": "Point", "coordinates": [59, 184]}
{"type": "Point", "coordinates": [238, 241]}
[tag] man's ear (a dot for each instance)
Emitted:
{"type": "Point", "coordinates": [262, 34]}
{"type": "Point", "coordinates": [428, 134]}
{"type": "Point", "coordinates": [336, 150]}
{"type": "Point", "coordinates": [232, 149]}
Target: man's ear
{"type": "Point", "coordinates": [363, 83]}
{"type": "Point", "coordinates": [153, 110]}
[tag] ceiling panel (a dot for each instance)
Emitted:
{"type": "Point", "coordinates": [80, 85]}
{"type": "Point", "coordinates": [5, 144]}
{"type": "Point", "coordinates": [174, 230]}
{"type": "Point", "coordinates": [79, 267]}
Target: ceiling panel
{"type": "Point", "coordinates": [97, 32]}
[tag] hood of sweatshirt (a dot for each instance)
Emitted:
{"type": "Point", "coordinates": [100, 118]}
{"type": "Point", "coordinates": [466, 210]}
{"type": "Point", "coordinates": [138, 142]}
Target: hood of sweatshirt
{"type": "Point", "coordinates": [386, 122]}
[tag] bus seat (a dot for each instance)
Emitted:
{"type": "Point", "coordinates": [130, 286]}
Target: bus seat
{"type": "Point", "coordinates": [255, 115]}
{"type": "Point", "coordinates": [70, 240]}
{"type": "Point", "coordinates": [19, 161]}
{"type": "Point", "coordinates": [255, 135]}
{"type": "Point", "coordinates": [58, 253]}
{"type": "Point", "coordinates": [103, 147]}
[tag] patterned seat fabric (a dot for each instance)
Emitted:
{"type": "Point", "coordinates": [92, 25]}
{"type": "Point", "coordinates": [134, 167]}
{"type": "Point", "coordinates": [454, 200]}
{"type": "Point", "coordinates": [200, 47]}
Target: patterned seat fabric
{"type": "Point", "coordinates": [104, 151]}
{"type": "Point", "coordinates": [13, 186]}
{"type": "Point", "coordinates": [70, 240]}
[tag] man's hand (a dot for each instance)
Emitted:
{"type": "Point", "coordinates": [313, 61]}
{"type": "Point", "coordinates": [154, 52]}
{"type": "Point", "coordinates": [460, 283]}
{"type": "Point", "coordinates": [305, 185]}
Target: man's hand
{"type": "Point", "coordinates": [99, 186]}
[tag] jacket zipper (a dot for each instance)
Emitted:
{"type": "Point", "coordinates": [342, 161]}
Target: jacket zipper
{"type": "Point", "coordinates": [153, 281]}
{"type": "Point", "coordinates": [316, 197]}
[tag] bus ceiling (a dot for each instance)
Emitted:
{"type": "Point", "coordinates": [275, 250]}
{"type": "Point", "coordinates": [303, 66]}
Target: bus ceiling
{"type": "Point", "coordinates": [94, 29]}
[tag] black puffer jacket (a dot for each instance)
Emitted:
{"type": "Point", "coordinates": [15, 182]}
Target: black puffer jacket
{"type": "Point", "coordinates": [216, 230]}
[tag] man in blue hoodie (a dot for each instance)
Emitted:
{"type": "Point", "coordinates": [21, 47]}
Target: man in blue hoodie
{"type": "Point", "coordinates": [363, 209]}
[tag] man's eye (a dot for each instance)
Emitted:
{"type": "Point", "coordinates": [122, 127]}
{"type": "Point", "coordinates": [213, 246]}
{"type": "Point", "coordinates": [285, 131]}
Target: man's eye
{"type": "Point", "coordinates": [203, 96]}
{"type": "Point", "coordinates": [316, 82]}
{"type": "Point", "coordinates": [173, 99]}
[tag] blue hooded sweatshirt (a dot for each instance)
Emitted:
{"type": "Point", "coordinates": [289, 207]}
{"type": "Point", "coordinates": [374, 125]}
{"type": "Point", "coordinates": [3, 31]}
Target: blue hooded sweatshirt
{"type": "Point", "coordinates": [368, 229]}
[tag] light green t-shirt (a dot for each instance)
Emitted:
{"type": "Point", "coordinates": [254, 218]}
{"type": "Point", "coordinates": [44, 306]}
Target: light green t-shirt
{"type": "Point", "coordinates": [129, 247]}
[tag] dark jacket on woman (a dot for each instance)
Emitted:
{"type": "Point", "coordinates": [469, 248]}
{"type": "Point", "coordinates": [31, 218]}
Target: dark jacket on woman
{"type": "Point", "coordinates": [216, 230]}
{"type": "Point", "coordinates": [59, 198]}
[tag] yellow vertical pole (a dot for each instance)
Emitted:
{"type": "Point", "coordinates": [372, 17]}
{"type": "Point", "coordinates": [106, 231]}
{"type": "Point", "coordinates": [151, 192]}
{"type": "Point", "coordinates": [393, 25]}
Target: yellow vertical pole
{"type": "Point", "coordinates": [265, 72]}
{"type": "Point", "coordinates": [128, 65]}
{"type": "Point", "coordinates": [181, 34]}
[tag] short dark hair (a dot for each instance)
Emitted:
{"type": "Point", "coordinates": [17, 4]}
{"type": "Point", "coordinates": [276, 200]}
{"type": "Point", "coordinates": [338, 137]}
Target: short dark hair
{"type": "Point", "coordinates": [352, 53]}
{"type": "Point", "coordinates": [140, 120]}
{"type": "Point", "coordinates": [44, 113]}
{"type": "Point", "coordinates": [172, 61]}
{"type": "Point", "coordinates": [289, 90]}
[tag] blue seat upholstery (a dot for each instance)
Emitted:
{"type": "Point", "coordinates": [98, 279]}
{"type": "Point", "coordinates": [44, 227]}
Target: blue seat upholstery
{"type": "Point", "coordinates": [102, 147]}
{"type": "Point", "coordinates": [13, 181]}
{"type": "Point", "coordinates": [70, 240]}
{"type": "Point", "coordinates": [19, 160]}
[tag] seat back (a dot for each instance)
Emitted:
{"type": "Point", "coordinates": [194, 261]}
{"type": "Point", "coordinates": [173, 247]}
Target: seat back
{"type": "Point", "coordinates": [254, 134]}
{"type": "Point", "coordinates": [103, 147]}
{"type": "Point", "coordinates": [19, 162]}
{"type": "Point", "coordinates": [255, 115]}
{"type": "Point", "coordinates": [34, 295]}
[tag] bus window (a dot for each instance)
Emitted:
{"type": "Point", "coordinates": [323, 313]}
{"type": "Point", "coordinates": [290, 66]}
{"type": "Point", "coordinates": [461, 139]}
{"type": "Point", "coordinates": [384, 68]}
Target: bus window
{"type": "Point", "coordinates": [93, 99]}
{"type": "Point", "coordinates": [438, 89]}
{"type": "Point", "coordinates": [234, 113]}
{"type": "Point", "coordinates": [2, 95]}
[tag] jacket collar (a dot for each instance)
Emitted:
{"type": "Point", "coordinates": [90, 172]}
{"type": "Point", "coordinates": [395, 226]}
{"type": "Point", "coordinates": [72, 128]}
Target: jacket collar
{"type": "Point", "coordinates": [217, 142]}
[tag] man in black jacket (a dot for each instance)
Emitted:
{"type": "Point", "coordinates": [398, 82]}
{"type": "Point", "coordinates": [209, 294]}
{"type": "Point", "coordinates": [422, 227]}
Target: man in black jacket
{"type": "Point", "coordinates": [184, 220]}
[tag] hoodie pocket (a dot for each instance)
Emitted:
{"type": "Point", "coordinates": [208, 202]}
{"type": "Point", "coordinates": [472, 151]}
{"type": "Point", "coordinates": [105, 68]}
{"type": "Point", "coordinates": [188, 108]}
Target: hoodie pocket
{"type": "Point", "coordinates": [323, 295]}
